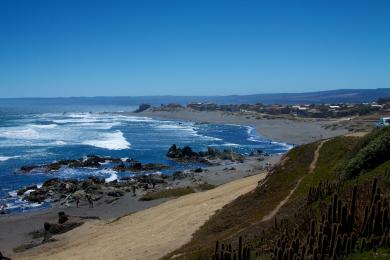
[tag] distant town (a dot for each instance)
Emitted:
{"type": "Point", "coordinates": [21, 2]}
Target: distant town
{"type": "Point", "coordinates": [338, 110]}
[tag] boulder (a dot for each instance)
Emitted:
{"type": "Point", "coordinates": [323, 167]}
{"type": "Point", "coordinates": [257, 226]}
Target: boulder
{"type": "Point", "coordinates": [62, 217]}
{"type": "Point", "coordinates": [26, 188]}
{"type": "Point", "coordinates": [37, 196]}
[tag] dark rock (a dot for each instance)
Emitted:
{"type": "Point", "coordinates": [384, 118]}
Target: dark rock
{"type": "Point", "coordinates": [186, 154]}
{"type": "Point", "coordinates": [178, 175]}
{"type": "Point", "coordinates": [55, 229]}
{"type": "Point", "coordinates": [28, 168]}
{"type": "Point", "coordinates": [24, 189]}
{"type": "Point", "coordinates": [62, 217]}
{"type": "Point", "coordinates": [89, 161]}
{"type": "Point", "coordinates": [198, 170]}
{"type": "Point", "coordinates": [116, 193]}
{"type": "Point", "coordinates": [142, 107]}
{"type": "Point", "coordinates": [154, 167]}
{"type": "Point", "coordinates": [136, 166]}
{"type": "Point", "coordinates": [51, 182]}
{"type": "Point", "coordinates": [37, 196]}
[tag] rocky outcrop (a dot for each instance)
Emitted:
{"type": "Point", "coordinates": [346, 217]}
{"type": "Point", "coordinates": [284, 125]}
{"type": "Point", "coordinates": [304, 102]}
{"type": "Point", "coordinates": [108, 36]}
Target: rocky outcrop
{"type": "Point", "coordinates": [135, 166]}
{"type": "Point", "coordinates": [142, 108]}
{"type": "Point", "coordinates": [186, 154]}
{"type": "Point", "coordinates": [88, 161]}
{"type": "Point", "coordinates": [72, 190]}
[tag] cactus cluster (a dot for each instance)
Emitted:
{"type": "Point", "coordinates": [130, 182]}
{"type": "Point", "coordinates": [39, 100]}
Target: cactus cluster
{"type": "Point", "coordinates": [227, 253]}
{"type": "Point", "coordinates": [336, 234]}
{"type": "Point", "coordinates": [323, 190]}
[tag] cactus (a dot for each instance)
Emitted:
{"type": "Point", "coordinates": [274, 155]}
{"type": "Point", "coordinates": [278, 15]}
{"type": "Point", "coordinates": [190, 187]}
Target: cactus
{"type": "Point", "coordinates": [334, 207]}
{"type": "Point", "coordinates": [239, 254]}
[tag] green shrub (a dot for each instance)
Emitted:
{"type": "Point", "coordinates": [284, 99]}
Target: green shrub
{"type": "Point", "coordinates": [374, 150]}
{"type": "Point", "coordinates": [168, 193]}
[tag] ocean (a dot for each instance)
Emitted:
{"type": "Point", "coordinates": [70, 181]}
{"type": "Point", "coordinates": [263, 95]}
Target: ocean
{"type": "Point", "coordinates": [39, 133]}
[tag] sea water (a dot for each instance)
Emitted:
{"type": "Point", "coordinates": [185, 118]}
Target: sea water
{"type": "Point", "coordinates": [53, 133]}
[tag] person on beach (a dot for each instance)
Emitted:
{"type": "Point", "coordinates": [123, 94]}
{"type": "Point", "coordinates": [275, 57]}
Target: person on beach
{"type": "Point", "coordinates": [89, 199]}
{"type": "Point", "coordinates": [134, 190]}
{"type": "Point", "coordinates": [77, 202]}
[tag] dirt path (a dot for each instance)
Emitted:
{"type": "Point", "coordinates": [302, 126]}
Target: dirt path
{"type": "Point", "coordinates": [311, 169]}
{"type": "Point", "coordinates": [147, 234]}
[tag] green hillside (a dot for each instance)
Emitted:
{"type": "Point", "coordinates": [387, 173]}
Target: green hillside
{"type": "Point", "coordinates": [339, 209]}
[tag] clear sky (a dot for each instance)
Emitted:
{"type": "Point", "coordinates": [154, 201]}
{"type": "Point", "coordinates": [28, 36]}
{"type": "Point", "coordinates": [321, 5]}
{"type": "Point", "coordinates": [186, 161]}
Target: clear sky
{"type": "Point", "coordinates": [125, 48]}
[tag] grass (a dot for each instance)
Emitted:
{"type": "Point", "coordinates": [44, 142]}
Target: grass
{"type": "Point", "coordinates": [380, 253]}
{"type": "Point", "coordinates": [167, 193]}
{"type": "Point", "coordinates": [205, 186]}
{"type": "Point", "coordinates": [251, 207]}
{"type": "Point", "coordinates": [242, 216]}
{"type": "Point", "coordinates": [332, 153]}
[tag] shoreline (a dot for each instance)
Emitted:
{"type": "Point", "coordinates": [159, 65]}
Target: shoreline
{"type": "Point", "coordinates": [147, 234]}
{"type": "Point", "coordinates": [14, 228]}
{"type": "Point", "coordinates": [288, 131]}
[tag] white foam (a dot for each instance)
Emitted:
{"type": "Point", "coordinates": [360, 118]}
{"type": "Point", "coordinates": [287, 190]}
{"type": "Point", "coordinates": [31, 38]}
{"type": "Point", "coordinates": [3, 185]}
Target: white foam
{"type": "Point", "coordinates": [75, 120]}
{"type": "Point", "coordinates": [230, 144]}
{"type": "Point", "coordinates": [187, 129]}
{"type": "Point", "coordinates": [13, 194]}
{"type": "Point", "coordinates": [20, 134]}
{"type": "Point", "coordinates": [112, 177]}
{"type": "Point", "coordinates": [6, 158]}
{"type": "Point", "coordinates": [49, 126]}
{"type": "Point", "coordinates": [27, 192]}
{"type": "Point", "coordinates": [286, 145]}
{"type": "Point", "coordinates": [59, 142]}
{"type": "Point", "coordinates": [111, 141]}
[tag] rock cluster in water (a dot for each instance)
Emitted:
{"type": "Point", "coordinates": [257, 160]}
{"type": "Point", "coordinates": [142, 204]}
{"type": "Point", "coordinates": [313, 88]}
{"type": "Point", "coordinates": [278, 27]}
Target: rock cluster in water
{"type": "Point", "coordinates": [186, 154]}
{"type": "Point", "coordinates": [94, 161]}
{"type": "Point", "coordinates": [95, 189]}
{"type": "Point", "coordinates": [89, 161]}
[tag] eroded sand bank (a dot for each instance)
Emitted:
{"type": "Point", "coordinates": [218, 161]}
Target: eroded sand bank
{"type": "Point", "coordinates": [147, 234]}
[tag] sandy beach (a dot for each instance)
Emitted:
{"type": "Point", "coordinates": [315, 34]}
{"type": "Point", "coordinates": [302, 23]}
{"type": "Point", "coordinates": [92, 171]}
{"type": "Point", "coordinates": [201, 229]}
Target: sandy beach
{"type": "Point", "coordinates": [147, 234]}
{"type": "Point", "coordinates": [281, 130]}
{"type": "Point", "coordinates": [15, 230]}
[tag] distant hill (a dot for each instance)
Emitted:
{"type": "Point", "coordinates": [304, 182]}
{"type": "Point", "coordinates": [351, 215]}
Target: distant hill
{"type": "Point", "coordinates": [330, 96]}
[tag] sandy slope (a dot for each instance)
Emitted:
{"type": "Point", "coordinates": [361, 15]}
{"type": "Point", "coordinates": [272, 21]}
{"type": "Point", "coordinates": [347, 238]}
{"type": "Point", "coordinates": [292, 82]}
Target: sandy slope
{"type": "Point", "coordinates": [147, 234]}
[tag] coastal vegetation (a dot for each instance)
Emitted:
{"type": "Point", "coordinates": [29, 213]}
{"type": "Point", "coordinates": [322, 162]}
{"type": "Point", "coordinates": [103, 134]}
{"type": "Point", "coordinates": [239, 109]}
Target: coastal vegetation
{"type": "Point", "coordinates": [176, 192]}
{"type": "Point", "coordinates": [340, 209]}
{"type": "Point", "coordinates": [167, 193]}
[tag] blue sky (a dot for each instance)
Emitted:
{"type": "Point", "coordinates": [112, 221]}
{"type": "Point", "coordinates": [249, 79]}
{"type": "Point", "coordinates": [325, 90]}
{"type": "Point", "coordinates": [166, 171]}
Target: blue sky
{"type": "Point", "coordinates": [132, 48]}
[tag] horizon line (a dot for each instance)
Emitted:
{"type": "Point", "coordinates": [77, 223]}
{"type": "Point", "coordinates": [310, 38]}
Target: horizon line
{"type": "Point", "coordinates": [227, 95]}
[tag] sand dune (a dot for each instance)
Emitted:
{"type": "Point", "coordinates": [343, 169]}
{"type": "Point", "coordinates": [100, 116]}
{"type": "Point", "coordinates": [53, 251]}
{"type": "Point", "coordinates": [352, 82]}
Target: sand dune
{"type": "Point", "coordinates": [147, 234]}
